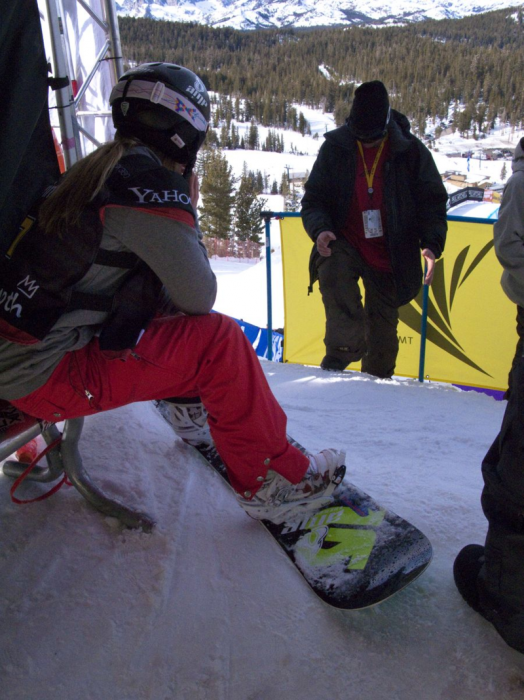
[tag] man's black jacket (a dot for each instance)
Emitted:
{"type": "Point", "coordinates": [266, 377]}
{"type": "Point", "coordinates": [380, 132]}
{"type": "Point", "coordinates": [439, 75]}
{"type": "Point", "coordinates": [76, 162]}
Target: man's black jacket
{"type": "Point", "coordinates": [414, 195]}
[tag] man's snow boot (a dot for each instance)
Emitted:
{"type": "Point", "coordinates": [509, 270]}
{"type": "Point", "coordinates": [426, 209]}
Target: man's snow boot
{"type": "Point", "coordinates": [466, 569]}
{"type": "Point", "coordinates": [333, 364]}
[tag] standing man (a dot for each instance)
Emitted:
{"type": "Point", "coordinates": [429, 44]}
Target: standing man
{"type": "Point", "coordinates": [373, 201]}
{"type": "Point", "coordinates": [490, 578]}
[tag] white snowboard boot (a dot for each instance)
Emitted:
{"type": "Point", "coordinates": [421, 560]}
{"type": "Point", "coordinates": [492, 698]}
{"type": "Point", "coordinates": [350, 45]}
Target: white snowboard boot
{"type": "Point", "coordinates": [278, 500]}
{"type": "Point", "coordinates": [188, 418]}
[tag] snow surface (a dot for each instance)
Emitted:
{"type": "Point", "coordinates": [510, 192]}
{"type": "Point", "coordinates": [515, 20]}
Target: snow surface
{"type": "Point", "coordinates": [207, 607]}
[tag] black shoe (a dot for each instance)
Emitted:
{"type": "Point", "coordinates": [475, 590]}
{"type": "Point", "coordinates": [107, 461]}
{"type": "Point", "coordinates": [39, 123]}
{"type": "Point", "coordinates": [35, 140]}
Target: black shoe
{"type": "Point", "coordinates": [378, 375]}
{"type": "Point", "coordinates": [333, 364]}
{"type": "Point", "coordinates": [466, 569]}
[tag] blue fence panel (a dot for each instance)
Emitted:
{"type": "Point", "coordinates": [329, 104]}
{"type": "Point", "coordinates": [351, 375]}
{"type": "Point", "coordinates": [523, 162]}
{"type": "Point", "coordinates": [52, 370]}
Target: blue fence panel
{"type": "Point", "coordinates": [258, 339]}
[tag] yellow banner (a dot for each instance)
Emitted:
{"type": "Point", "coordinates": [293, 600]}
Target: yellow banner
{"type": "Point", "coordinates": [471, 327]}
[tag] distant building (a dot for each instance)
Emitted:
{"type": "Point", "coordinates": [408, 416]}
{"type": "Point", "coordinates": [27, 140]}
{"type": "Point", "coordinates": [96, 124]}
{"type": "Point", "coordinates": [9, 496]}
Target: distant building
{"type": "Point", "coordinates": [455, 179]}
{"type": "Point", "coordinates": [298, 176]}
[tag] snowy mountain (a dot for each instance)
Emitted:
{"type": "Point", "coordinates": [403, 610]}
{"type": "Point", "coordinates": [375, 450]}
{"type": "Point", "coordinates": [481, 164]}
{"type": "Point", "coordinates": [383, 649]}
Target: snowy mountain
{"type": "Point", "coordinates": [257, 14]}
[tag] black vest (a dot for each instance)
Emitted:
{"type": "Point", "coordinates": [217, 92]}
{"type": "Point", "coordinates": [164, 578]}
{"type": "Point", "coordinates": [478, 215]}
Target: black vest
{"type": "Point", "coordinates": [39, 271]}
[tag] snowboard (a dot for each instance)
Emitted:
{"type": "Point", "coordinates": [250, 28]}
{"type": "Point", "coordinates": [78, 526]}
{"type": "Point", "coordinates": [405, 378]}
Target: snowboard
{"type": "Point", "coordinates": [353, 552]}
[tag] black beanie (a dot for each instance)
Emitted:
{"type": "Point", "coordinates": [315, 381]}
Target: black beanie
{"type": "Point", "coordinates": [369, 116]}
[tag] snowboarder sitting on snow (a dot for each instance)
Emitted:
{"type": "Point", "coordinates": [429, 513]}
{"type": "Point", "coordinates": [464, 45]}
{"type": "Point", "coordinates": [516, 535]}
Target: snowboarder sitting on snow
{"type": "Point", "coordinates": [79, 325]}
{"type": "Point", "coordinates": [491, 577]}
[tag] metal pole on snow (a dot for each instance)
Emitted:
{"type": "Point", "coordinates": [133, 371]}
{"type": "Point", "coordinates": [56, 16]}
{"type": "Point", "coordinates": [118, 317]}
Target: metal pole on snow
{"type": "Point", "coordinates": [423, 329]}
{"type": "Point", "coordinates": [267, 219]}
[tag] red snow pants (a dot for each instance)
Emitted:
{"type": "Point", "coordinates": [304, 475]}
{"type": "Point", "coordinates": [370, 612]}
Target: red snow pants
{"type": "Point", "coordinates": [183, 356]}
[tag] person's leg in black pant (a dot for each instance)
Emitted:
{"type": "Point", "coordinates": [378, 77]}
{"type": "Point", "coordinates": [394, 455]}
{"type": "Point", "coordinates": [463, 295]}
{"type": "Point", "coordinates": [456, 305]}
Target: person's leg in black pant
{"type": "Point", "coordinates": [491, 578]}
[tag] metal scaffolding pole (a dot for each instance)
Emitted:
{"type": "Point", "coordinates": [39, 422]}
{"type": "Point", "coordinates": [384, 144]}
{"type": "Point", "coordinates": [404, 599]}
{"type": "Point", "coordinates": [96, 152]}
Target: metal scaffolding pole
{"type": "Point", "coordinates": [64, 96]}
{"type": "Point", "coordinates": [71, 115]}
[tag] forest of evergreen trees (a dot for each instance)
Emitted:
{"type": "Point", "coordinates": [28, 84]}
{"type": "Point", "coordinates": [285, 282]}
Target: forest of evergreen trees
{"type": "Point", "coordinates": [475, 63]}
{"type": "Point", "coordinates": [472, 66]}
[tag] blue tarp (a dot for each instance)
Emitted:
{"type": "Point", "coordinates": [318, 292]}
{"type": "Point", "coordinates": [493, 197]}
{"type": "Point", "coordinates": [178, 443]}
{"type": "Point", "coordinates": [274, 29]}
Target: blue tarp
{"type": "Point", "coordinates": [258, 339]}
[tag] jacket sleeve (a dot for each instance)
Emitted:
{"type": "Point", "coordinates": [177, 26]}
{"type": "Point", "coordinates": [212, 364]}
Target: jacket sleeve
{"type": "Point", "coordinates": [173, 250]}
{"type": "Point", "coordinates": [431, 197]}
{"type": "Point", "coordinates": [508, 230]}
{"type": "Point", "coordinates": [318, 191]}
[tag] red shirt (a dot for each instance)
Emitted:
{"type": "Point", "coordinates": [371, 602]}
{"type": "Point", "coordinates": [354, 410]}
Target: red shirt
{"type": "Point", "coordinates": [374, 251]}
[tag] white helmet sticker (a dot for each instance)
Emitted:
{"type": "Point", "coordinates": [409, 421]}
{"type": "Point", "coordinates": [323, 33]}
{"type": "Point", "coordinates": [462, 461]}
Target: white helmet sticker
{"type": "Point", "coordinates": [178, 141]}
{"type": "Point", "coordinates": [125, 108]}
{"type": "Point", "coordinates": [158, 92]}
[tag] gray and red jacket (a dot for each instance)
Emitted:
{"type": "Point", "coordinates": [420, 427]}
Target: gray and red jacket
{"type": "Point", "coordinates": [39, 272]}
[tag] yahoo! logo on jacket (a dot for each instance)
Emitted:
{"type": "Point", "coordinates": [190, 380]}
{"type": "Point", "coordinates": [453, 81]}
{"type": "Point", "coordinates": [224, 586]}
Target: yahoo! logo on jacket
{"type": "Point", "coordinates": [163, 197]}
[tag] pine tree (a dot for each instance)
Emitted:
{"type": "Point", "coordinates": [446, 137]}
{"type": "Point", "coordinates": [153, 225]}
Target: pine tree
{"type": "Point", "coordinates": [292, 122]}
{"type": "Point", "coordinates": [252, 139]}
{"type": "Point", "coordinates": [284, 185]}
{"type": "Point", "coordinates": [259, 182]}
{"type": "Point", "coordinates": [248, 222]}
{"type": "Point", "coordinates": [341, 113]}
{"type": "Point", "coordinates": [217, 194]}
{"type": "Point", "coordinates": [235, 141]}
{"type": "Point", "coordinates": [303, 124]}
{"type": "Point", "coordinates": [225, 141]}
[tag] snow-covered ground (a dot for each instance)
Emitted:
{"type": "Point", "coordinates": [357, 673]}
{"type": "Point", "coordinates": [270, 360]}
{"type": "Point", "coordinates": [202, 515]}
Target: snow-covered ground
{"type": "Point", "coordinates": [206, 607]}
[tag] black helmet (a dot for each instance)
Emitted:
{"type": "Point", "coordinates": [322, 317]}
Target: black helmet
{"type": "Point", "coordinates": [164, 105]}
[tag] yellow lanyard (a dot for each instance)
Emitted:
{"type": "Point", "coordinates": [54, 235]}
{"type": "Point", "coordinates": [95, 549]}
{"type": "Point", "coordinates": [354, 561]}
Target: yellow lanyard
{"type": "Point", "coordinates": [371, 175]}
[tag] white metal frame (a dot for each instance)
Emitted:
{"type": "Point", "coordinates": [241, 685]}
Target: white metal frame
{"type": "Point", "coordinates": [70, 108]}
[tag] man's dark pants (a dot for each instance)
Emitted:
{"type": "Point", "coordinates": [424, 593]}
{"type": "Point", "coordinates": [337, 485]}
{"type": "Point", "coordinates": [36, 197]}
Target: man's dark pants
{"type": "Point", "coordinates": [501, 579]}
{"type": "Point", "coordinates": [357, 331]}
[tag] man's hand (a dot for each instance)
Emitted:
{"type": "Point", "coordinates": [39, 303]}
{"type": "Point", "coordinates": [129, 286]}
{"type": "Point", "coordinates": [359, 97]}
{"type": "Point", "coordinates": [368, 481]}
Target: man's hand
{"type": "Point", "coordinates": [323, 241]}
{"type": "Point", "coordinates": [429, 257]}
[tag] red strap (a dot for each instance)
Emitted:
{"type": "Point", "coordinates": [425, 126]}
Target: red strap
{"type": "Point", "coordinates": [166, 212]}
{"type": "Point", "coordinates": [27, 471]}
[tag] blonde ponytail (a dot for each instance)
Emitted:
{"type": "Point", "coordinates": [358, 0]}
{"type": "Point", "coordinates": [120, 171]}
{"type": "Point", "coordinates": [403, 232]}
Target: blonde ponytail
{"type": "Point", "coordinates": [63, 208]}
